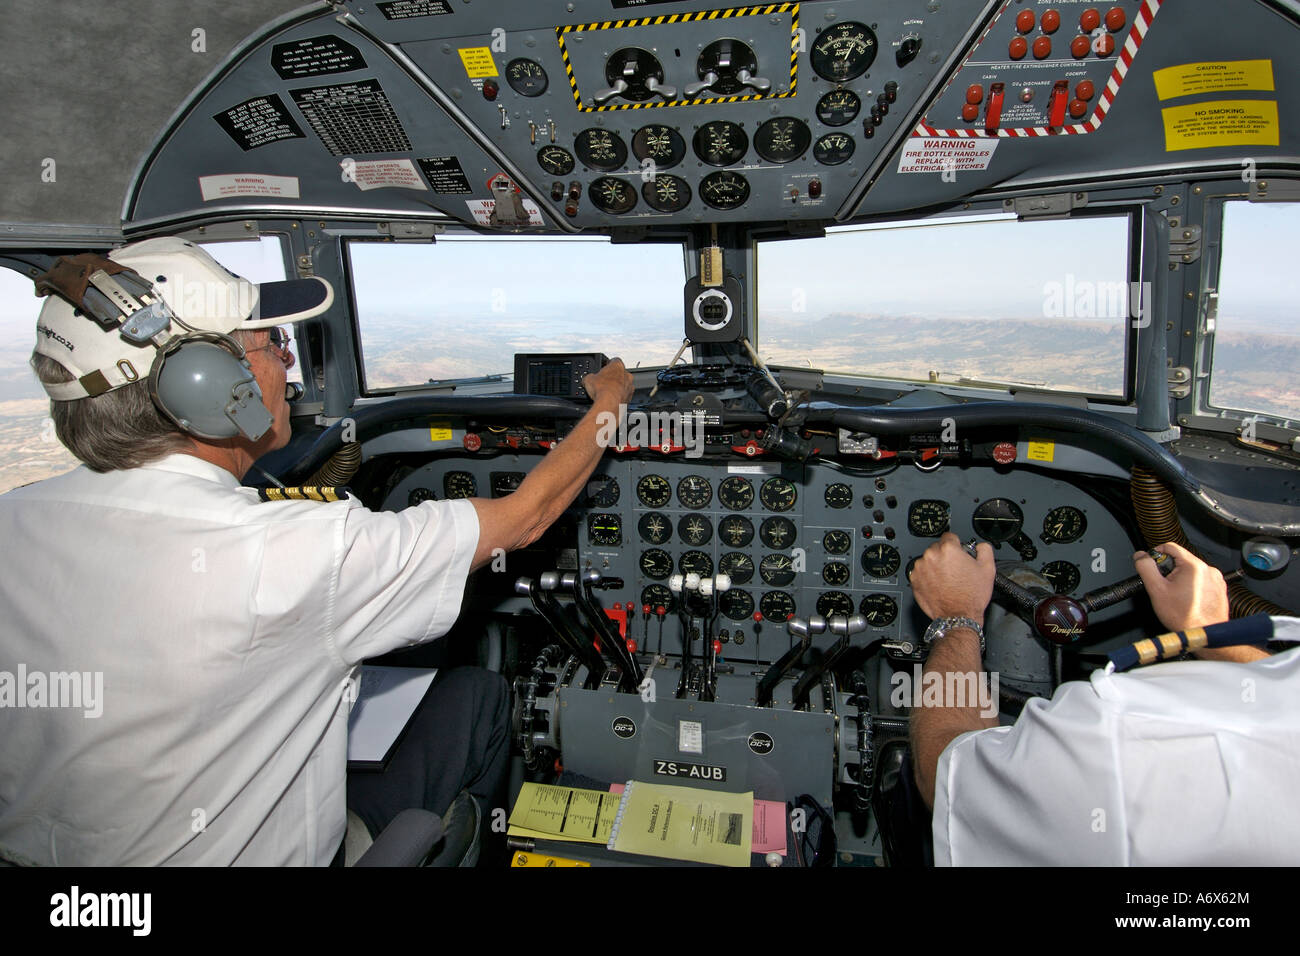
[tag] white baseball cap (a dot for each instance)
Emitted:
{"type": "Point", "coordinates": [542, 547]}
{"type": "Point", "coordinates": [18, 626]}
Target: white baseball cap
{"type": "Point", "coordinates": [200, 294]}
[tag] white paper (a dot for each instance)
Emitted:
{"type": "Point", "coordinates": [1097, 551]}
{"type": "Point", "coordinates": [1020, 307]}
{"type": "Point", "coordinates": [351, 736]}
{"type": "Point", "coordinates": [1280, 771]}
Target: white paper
{"type": "Point", "coordinates": [386, 700]}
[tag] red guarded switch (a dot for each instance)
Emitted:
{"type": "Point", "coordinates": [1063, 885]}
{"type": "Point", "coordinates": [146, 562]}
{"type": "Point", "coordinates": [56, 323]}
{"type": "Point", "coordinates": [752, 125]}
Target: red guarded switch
{"type": "Point", "coordinates": [993, 115]}
{"type": "Point", "coordinates": [1056, 106]}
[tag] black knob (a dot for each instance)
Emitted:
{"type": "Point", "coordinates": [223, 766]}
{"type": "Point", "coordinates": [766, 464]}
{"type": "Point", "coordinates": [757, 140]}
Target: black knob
{"type": "Point", "coordinates": [907, 50]}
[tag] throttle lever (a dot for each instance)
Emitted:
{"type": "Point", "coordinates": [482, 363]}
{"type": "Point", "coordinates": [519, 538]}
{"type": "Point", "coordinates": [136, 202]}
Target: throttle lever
{"type": "Point", "coordinates": [804, 630]}
{"type": "Point", "coordinates": [545, 605]}
{"type": "Point", "coordinates": [599, 622]}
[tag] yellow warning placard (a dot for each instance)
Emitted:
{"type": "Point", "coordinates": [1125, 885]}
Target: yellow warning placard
{"type": "Point", "coordinates": [478, 61]}
{"type": "Point", "coordinates": [1041, 451]}
{"type": "Point", "coordinates": [1214, 77]}
{"type": "Point", "coordinates": [439, 431]}
{"type": "Point", "coordinates": [1220, 123]}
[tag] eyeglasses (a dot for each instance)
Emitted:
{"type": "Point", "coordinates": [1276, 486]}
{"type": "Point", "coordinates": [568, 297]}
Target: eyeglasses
{"type": "Point", "coordinates": [280, 340]}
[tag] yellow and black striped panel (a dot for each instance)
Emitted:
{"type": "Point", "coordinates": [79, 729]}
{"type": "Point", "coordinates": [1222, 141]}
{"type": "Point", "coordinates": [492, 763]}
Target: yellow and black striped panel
{"type": "Point", "coordinates": [304, 493]}
{"type": "Point", "coordinates": [760, 10]}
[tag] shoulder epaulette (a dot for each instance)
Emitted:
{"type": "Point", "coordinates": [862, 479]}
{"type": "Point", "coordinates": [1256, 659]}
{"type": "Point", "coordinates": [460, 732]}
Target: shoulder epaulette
{"type": "Point", "coordinates": [304, 493]}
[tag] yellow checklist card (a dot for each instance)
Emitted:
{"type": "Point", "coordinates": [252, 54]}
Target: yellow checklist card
{"type": "Point", "coordinates": [683, 823]}
{"type": "Point", "coordinates": [564, 813]}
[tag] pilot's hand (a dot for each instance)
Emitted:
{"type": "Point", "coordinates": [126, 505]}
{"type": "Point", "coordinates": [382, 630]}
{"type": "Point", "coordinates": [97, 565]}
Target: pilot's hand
{"type": "Point", "coordinates": [612, 384]}
{"type": "Point", "coordinates": [948, 582]}
{"type": "Point", "coordinates": [1194, 594]}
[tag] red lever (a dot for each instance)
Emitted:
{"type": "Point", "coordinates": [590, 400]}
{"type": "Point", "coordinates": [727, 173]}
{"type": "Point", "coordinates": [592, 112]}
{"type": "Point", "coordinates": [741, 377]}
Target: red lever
{"type": "Point", "coordinates": [1056, 108]}
{"type": "Point", "coordinates": [993, 115]}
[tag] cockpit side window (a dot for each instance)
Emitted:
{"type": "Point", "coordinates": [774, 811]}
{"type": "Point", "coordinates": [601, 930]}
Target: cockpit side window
{"type": "Point", "coordinates": [258, 260]}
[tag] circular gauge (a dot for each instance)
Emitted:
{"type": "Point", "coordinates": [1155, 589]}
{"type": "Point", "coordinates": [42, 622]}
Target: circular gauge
{"type": "Point", "coordinates": [526, 77]}
{"type": "Point", "coordinates": [601, 149]}
{"type": "Point", "coordinates": [736, 530]}
{"type": "Point", "coordinates": [776, 570]}
{"type": "Point", "coordinates": [776, 606]}
{"type": "Point", "coordinates": [998, 520]}
{"type": "Point", "coordinates": [834, 149]}
{"type": "Point", "coordinates": [612, 196]}
{"type": "Point", "coordinates": [666, 193]}
{"type": "Point", "coordinates": [736, 493]}
{"type": "Point", "coordinates": [927, 518]}
{"type": "Point", "coordinates": [661, 144]}
{"type": "Point", "coordinates": [1065, 577]}
{"type": "Point", "coordinates": [602, 491]}
{"type": "Point", "coordinates": [693, 491]}
{"type": "Point", "coordinates": [505, 482]}
{"type": "Point", "coordinates": [721, 143]}
{"type": "Point", "coordinates": [880, 560]}
{"type": "Point", "coordinates": [736, 565]}
{"type": "Point", "coordinates": [695, 562]}
{"type": "Point", "coordinates": [420, 494]}
{"type": "Point", "coordinates": [777, 533]}
{"type": "Point", "coordinates": [777, 494]}
{"type": "Point", "coordinates": [782, 139]}
{"type": "Point", "coordinates": [724, 190]}
{"type": "Point", "coordinates": [880, 610]}
{"type": "Point", "coordinates": [655, 528]}
{"type": "Point", "coordinates": [834, 602]}
{"type": "Point", "coordinates": [844, 51]}
{"type": "Point", "coordinates": [838, 107]}
{"type": "Point", "coordinates": [656, 564]}
{"type": "Point", "coordinates": [1063, 525]}
{"type": "Point", "coordinates": [837, 542]}
{"type": "Point", "coordinates": [835, 573]}
{"type": "Point", "coordinates": [736, 605]}
{"type": "Point", "coordinates": [839, 495]}
{"type": "Point", "coordinates": [657, 596]}
{"type": "Point", "coordinates": [459, 484]}
{"type": "Point", "coordinates": [654, 491]}
{"type": "Point", "coordinates": [605, 530]}
{"type": "Point", "coordinates": [696, 530]}
{"type": "Point", "coordinates": [556, 160]}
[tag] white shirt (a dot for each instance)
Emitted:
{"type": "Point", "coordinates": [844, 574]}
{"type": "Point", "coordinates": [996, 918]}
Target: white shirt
{"type": "Point", "coordinates": [225, 630]}
{"type": "Point", "coordinates": [1188, 763]}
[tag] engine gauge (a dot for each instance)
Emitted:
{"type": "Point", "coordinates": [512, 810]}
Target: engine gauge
{"type": "Point", "coordinates": [736, 493]}
{"type": "Point", "coordinates": [777, 606]}
{"type": "Point", "coordinates": [504, 482]}
{"type": "Point", "coordinates": [655, 528]}
{"type": "Point", "coordinates": [836, 573]}
{"type": "Point", "coordinates": [656, 595]}
{"type": "Point", "coordinates": [837, 542]}
{"type": "Point", "coordinates": [696, 562]}
{"type": "Point", "coordinates": [834, 602]}
{"type": "Point", "coordinates": [694, 491]}
{"type": "Point", "coordinates": [1063, 525]}
{"type": "Point", "coordinates": [838, 495]}
{"type": "Point", "coordinates": [1063, 575]}
{"type": "Point", "coordinates": [601, 149]}
{"type": "Point", "coordinates": [661, 144]}
{"type": "Point", "coordinates": [656, 563]}
{"type": "Point", "coordinates": [776, 570]}
{"type": "Point", "coordinates": [420, 494]}
{"type": "Point", "coordinates": [695, 530]}
{"type": "Point", "coordinates": [880, 560]}
{"type": "Point", "coordinates": [880, 610]}
{"type": "Point", "coordinates": [526, 77]}
{"type": "Point", "coordinates": [654, 491]}
{"type": "Point", "coordinates": [927, 518]}
{"type": "Point", "coordinates": [721, 143]}
{"type": "Point", "coordinates": [834, 149]}
{"type": "Point", "coordinates": [736, 530]}
{"type": "Point", "coordinates": [602, 491]}
{"type": "Point", "coordinates": [736, 605]}
{"type": "Point", "coordinates": [556, 160]}
{"type": "Point", "coordinates": [737, 565]}
{"type": "Point", "coordinates": [777, 494]}
{"type": "Point", "coordinates": [838, 107]}
{"type": "Point", "coordinates": [459, 484]}
{"type": "Point", "coordinates": [612, 196]}
{"type": "Point", "coordinates": [843, 52]}
{"type": "Point", "coordinates": [782, 139]}
{"type": "Point", "coordinates": [724, 190]}
{"type": "Point", "coordinates": [777, 533]}
{"type": "Point", "coordinates": [606, 530]}
{"type": "Point", "coordinates": [998, 520]}
{"type": "Point", "coordinates": [666, 193]}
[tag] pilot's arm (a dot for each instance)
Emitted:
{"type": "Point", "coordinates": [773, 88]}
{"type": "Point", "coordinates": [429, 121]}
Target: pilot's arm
{"type": "Point", "coordinates": [520, 518]}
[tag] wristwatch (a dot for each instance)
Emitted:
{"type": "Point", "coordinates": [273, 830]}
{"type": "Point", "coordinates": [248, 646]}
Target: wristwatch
{"type": "Point", "coordinates": [940, 626]}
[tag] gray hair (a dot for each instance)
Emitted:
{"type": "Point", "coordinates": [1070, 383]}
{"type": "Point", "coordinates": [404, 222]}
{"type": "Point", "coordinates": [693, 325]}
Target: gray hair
{"type": "Point", "coordinates": [118, 429]}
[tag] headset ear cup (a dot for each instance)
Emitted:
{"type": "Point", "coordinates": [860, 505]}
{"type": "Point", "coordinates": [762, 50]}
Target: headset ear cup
{"type": "Point", "coordinates": [206, 386]}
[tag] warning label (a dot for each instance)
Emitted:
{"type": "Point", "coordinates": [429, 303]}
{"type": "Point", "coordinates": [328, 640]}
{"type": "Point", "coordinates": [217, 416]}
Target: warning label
{"type": "Point", "coordinates": [1220, 123]}
{"type": "Point", "coordinates": [248, 184]}
{"type": "Point", "coordinates": [481, 210]}
{"type": "Point", "coordinates": [928, 155]}
{"type": "Point", "coordinates": [478, 61]}
{"type": "Point", "coordinates": [259, 121]}
{"type": "Point", "coordinates": [1225, 77]}
{"type": "Point", "coordinates": [446, 176]}
{"type": "Point", "coordinates": [314, 56]}
{"type": "Point", "coordinates": [406, 9]}
{"type": "Point", "coordinates": [377, 173]}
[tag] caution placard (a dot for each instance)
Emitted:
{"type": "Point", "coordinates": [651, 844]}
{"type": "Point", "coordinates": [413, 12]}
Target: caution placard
{"type": "Point", "coordinates": [1220, 123]}
{"type": "Point", "coordinates": [936, 155]}
{"type": "Point", "coordinates": [1214, 77]}
{"type": "Point", "coordinates": [478, 61]}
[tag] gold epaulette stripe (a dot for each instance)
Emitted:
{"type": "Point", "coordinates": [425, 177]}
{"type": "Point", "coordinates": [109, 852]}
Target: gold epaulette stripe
{"type": "Point", "coordinates": [304, 493]}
